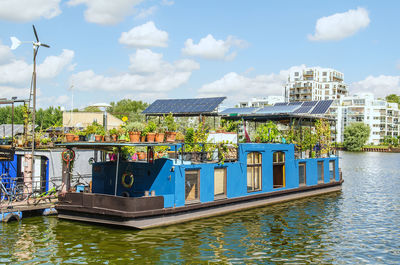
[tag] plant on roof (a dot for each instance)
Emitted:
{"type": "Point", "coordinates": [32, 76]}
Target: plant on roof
{"type": "Point", "coordinates": [268, 133]}
{"type": "Point", "coordinates": [169, 123]}
{"type": "Point", "coordinates": [135, 126]}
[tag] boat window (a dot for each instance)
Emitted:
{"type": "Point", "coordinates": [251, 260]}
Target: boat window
{"type": "Point", "coordinates": [254, 171]}
{"type": "Point", "coordinates": [302, 174]}
{"type": "Point", "coordinates": [220, 182]}
{"type": "Point", "coordinates": [279, 169]}
{"type": "Point", "coordinates": [332, 170]}
{"type": "Point", "coordinates": [320, 171]}
{"type": "Point", "coordinates": [192, 185]}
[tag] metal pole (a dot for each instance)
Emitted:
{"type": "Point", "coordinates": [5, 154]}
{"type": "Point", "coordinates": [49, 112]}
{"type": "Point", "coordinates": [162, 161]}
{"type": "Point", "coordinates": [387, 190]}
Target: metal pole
{"type": "Point", "coordinates": [116, 173]}
{"type": "Point", "coordinates": [12, 124]}
{"type": "Point", "coordinates": [33, 114]}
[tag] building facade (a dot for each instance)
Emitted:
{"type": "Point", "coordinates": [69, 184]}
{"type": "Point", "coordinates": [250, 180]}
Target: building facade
{"type": "Point", "coordinates": [315, 84]}
{"type": "Point", "coordinates": [83, 119]}
{"type": "Point", "coordinates": [261, 102]}
{"type": "Point", "coordinates": [381, 116]}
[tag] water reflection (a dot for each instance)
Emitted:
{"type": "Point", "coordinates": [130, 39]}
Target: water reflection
{"type": "Point", "coordinates": [360, 225]}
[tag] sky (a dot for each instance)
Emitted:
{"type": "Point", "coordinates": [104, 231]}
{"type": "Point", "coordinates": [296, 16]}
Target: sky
{"type": "Point", "coordinates": [104, 51]}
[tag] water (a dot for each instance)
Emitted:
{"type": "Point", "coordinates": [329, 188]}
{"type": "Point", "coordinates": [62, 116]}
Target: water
{"type": "Point", "coordinates": [360, 225]}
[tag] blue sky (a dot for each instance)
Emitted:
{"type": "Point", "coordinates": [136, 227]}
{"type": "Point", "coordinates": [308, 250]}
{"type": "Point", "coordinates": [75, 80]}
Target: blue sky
{"type": "Point", "coordinates": [148, 49]}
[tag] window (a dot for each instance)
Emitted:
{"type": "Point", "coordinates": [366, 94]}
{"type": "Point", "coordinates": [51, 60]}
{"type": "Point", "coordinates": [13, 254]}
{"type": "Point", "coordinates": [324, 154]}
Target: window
{"type": "Point", "coordinates": [219, 182]}
{"type": "Point", "coordinates": [332, 170]}
{"type": "Point", "coordinates": [302, 174]}
{"type": "Point", "coordinates": [296, 74]}
{"type": "Point", "coordinates": [254, 171]}
{"type": "Point", "coordinates": [192, 185]}
{"type": "Point", "coordinates": [278, 169]}
{"type": "Point", "coordinates": [320, 168]}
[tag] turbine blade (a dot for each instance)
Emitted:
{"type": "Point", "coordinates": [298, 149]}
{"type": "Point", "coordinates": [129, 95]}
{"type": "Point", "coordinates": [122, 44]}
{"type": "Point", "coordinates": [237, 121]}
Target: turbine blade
{"type": "Point", "coordinates": [34, 31]}
{"type": "Point", "coordinates": [14, 43]}
{"type": "Point", "coordinates": [44, 45]}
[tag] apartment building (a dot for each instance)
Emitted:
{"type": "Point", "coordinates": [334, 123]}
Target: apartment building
{"type": "Point", "coordinates": [315, 84]}
{"type": "Point", "coordinates": [382, 117]}
{"type": "Point", "coordinates": [261, 101]}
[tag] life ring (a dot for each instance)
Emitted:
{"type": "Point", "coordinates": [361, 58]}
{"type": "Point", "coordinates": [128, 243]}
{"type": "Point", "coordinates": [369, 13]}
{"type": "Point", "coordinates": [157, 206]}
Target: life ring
{"type": "Point", "coordinates": [68, 155]}
{"type": "Point", "coordinates": [124, 181]}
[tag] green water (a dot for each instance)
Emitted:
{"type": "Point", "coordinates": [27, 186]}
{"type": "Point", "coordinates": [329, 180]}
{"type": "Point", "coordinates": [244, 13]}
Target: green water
{"type": "Point", "coordinates": [359, 225]}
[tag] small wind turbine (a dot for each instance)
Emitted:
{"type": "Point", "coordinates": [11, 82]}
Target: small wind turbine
{"type": "Point", "coordinates": [14, 44]}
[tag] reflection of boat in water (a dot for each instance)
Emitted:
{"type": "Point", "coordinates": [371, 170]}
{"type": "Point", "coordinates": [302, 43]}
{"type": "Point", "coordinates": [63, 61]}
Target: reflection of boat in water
{"type": "Point", "coordinates": [166, 191]}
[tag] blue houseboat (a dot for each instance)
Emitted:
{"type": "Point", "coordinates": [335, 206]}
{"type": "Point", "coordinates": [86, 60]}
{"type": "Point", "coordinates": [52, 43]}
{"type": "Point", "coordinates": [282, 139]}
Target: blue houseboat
{"type": "Point", "coordinates": [166, 191]}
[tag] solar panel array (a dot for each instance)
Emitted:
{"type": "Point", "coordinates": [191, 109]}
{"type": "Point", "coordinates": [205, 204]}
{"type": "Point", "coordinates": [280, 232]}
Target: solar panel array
{"type": "Point", "coordinates": [305, 107]}
{"type": "Point", "coordinates": [180, 106]}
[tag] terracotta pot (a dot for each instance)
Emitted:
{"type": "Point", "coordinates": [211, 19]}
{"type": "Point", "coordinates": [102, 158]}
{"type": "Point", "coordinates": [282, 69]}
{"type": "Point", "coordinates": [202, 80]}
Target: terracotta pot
{"type": "Point", "coordinates": [98, 138]}
{"type": "Point", "coordinates": [69, 137]}
{"type": "Point", "coordinates": [134, 137]}
{"type": "Point", "coordinates": [82, 138]}
{"type": "Point", "coordinates": [150, 137]}
{"type": "Point", "coordinates": [107, 138]}
{"type": "Point", "coordinates": [76, 138]}
{"type": "Point", "coordinates": [170, 137]}
{"type": "Point", "coordinates": [160, 137]}
{"type": "Point", "coordinates": [114, 137]}
{"type": "Point", "coordinates": [141, 155]}
{"type": "Point", "coordinates": [143, 139]}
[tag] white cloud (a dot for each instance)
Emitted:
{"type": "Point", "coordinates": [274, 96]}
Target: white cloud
{"type": "Point", "coordinates": [210, 48]}
{"type": "Point", "coordinates": [149, 74]}
{"type": "Point", "coordinates": [239, 87]}
{"type": "Point", "coordinates": [146, 12]}
{"type": "Point", "coordinates": [380, 86]}
{"type": "Point", "coordinates": [9, 91]}
{"type": "Point", "coordinates": [106, 12]}
{"type": "Point", "coordinates": [146, 35]}
{"type": "Point", "coordinates": [340, 25]}
{"type": "Point", "coordinates": [20, 72]}
{"type": "Point", "coordinates": [5, 54]}
{"type": "Point", "coordinates": [28, 10]}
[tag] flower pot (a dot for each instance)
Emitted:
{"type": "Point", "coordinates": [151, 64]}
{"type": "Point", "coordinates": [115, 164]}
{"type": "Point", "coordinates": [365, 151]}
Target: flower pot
{"type": "Point", "coordinates": [150, 137]}
{"type": "Point", "coordinates": [91, 137]}
{"type": "Point", "coordinates": [98, 138]}
{"type": "Point", "coordinates": [159, 137]}
{"type": "Point", "coordinates": [69, 137]}
{"type": "Point", "coordinates": [143, 138]}
{"type": "Point", "coordinates": [107, 138]}
{"type": "Point", "coordinates": [82, 138]}
{"type": "Point", "coordinates": [76, 138]}
{"type": "Point", "coordinates": [141, 155]}
{"type": "Point", "coordinates": [114, 137]}
{"type": "Point", "coordinates": [134, 137]}
{"type": "Point", "coordinates": [170, 137]}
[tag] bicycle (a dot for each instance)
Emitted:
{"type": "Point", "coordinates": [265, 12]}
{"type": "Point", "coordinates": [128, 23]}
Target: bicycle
{"type": "Point", "coordinates": [79, 182]}
{"type": "Point", "coordinates": [47, 195]}
{"type": "Point", "coordinates": [16, 192]}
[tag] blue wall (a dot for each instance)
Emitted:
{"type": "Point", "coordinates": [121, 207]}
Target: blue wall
{"type": "Point", "coordinates": [169, 180]}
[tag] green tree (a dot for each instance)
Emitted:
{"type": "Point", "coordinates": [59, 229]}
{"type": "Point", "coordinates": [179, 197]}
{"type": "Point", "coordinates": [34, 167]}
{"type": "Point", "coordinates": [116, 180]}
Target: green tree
{"type": "Point", "coordinates": [355, 136]}
{"type": "Point", "coordinates": [130, 108]}
{"type": "Point", "coordinates": [393, 98]}
{"type": "Point", "coordinates": [49, 117]}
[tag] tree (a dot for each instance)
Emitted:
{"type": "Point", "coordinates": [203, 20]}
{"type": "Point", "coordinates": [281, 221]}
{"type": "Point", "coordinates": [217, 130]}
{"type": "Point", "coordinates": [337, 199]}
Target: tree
{"type": "Point", "coordinates": [126, 107]}
{"type": "Point", "coordinates": [92, 109]}
{"type": "Point", "coordinates": [393, 98]}
{"type": "Point", "coordinates": [355, 136]}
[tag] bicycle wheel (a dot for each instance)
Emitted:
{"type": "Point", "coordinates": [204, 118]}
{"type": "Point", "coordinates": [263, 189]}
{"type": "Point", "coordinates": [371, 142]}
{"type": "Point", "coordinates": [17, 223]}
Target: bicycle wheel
{"type": "Point", "coordinates": [20, 194]}
{"type": "Point", "coordinates": [2, 196]}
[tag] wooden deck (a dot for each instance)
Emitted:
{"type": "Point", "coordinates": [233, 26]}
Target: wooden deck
{"type": "Point", "coordinates": [17, 210]}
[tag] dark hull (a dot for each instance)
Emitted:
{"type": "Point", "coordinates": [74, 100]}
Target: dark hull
{"type": "Point", "coordinates": [147, 212]}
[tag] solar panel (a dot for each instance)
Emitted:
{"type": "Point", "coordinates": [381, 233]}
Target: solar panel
{"type": "Point", "coordinates": [277, 109]}
{"type": "Point", "coordinates": [295, 103]}
{"type": "Point", "coordinates": [280, 104]}
{"type": "Point", "coordinates": [322, 106]}
{"type": "Point", "coordinates": [303, 109]}
{"type": "Point", "coordinates": [310, 103]}
{"type": "Point", "coordinates": [176, 106]}
{"type": "Point", "coordinates": [238, 111]}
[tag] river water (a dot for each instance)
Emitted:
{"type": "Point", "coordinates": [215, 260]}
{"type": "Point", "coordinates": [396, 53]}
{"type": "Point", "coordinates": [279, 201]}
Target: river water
{"type": "Point", "coordinates": [359, 225]}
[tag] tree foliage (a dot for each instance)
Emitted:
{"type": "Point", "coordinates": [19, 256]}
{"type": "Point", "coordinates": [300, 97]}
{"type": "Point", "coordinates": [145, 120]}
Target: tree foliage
{"type": "Point", "coordinates": [393, 98]}
{"type": "Point", "coordinates": [355, 136]}
{"type": "Point", "coordinates": [127, 107]}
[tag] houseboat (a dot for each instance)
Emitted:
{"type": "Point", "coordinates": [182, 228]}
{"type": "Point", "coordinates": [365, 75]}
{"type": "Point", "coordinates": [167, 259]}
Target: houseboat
{"type": "Point", "coordinates": [167, 191]}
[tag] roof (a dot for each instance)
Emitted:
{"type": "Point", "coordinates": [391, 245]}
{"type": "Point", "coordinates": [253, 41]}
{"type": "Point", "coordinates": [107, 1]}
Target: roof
{"type": "Point", "coordinates": [5, 129]}
{"type": "Point", "coordinates": [188, 107]}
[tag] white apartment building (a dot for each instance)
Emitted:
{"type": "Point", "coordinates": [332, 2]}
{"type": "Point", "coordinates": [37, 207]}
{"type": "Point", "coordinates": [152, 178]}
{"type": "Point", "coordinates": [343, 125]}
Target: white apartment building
{"type": "Point", "coordinates": [315, 84]}
{"type": "Point", "coordinates": [382, 117]}
{"type": "Point", "coordinates": [261, 102]}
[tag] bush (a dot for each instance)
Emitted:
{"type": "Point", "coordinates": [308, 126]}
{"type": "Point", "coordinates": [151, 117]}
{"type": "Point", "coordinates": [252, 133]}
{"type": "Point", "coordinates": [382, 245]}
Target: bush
{"type": "Point", "coordinates": [355, 136]}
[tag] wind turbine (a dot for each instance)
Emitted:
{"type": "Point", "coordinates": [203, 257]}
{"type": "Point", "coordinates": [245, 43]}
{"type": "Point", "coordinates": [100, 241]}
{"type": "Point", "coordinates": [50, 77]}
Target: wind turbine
{"type": "Point", "coordinates": [14, 44]}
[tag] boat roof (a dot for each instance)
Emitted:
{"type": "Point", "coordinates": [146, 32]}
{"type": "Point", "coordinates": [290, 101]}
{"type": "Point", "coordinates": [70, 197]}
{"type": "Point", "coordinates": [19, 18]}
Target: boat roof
{"type": "Point", "coordinates": [109, 145]}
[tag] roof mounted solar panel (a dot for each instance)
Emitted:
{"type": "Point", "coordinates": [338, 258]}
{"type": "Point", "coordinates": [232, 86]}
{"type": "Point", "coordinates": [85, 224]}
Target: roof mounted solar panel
{"type": "Point", "coordinates": [310, 103]}
{"type": "Point", "coordinates": [322, 106]}
{"type": "Point", "coordinates": [281, 104]}
{"type": "Point", "coordinates": [295, 103]}
{"type": "Point", "coordinates": [303, 109]}
{"type": "Point", "coordinates": [241, 111]}
{"type": "Point", "coordinates": [184, 106]}
{"type": "Point", "coordinates": [277, 109]}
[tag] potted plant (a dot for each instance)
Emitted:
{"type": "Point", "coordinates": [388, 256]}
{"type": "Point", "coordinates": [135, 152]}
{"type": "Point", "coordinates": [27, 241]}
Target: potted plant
{"type": "Point", "coordinates": [180, 137]}
{"type": "Point", "coordinates": [160, 134]}
{"type": "Point", "coordinates": [114, 134]}
{"type": "Point", "coordinates": [150, 131]}
{"type": "Point", "coordinates": [171, 126]}
{"type": "Point", "coordinates": [82, 136]}
{"type": "Point", "coordinates": [268, 133]}
{"type": "Point", "coordinates": [134, 129]}
{"type": "Point", "coordinates": [91, 131]}
{"type": "Point", "coordinates": [141, 154]}
{"type": "Point", "coordinates": [69, 137]}
{"type": "Point", "coordinates": [99, 135]}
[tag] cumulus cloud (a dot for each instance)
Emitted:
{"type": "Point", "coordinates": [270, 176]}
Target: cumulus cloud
{"type": "Point", "coordinates": [340, 25]}
{"type": "Point", "coordinates": [210, 48]}
{"type": "Point", "coordinates": [28, 10]}
{"type": "Point", "coordinates": [106, 12]}
{"type": "Point", "coordinates": [240, 87]}
{"type": "Point", "coordinates": [380, 86]}
{"type": "Point", "coordinates": [149, 73]}
{"type": "Point", "coordinates": [5, 54]}
{"type": "Point", "coordinates": [10, 91]}
{"type": "Point", "coordinates": [143, 36]}
{"type": "Point", "coordinates": [19, 72]}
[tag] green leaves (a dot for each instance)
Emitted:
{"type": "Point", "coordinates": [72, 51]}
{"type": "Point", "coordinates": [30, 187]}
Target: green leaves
{"type": "Point", "coordinates": [355, 136]}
